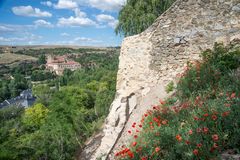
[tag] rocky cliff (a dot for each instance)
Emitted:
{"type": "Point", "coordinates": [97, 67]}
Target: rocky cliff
{"type": "Point", "coordinates": [152, 59]}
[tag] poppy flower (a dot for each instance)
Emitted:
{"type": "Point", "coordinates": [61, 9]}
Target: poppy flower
{"type": "Point", "coordinates": [199, 145]}
{"type": "Point", "coordinates": [206, 115]}
{"type": "Point", "coordinates": [215, 137]}
{"type": "Point", "coordinates": [178, 137]}
{"type": "Point", "coordinates": [187, 142]}
{"type": "Point", "coordinates": [129, 132]}
{"type": "Point", "coordinates": [144, 158]}
{"type": "Point", "coordinates": [134, 144]}
{"type": "Point", "coordinates": [224, 114]}
{"type": "Point", "coordinates": [130, 154]}
{"type": "Point", "coordinates": [157, 149]}
{"type": "Point", "coordinates": [205, 130]}
{"type": "Point", "coordinates": [214, 117]}
{"type": "Point", "coordinates": [190, 132]}
{"type": "Point", "coordinates": [164, 122]}
{"type": "Point", "coordinates": [233, 95]}
{"type": "Point", "coordinates": [140, 125]}
{"type": "Point", "coordinates": [195, 152]}
{"type": "Point", "coordinates": [135, 136]}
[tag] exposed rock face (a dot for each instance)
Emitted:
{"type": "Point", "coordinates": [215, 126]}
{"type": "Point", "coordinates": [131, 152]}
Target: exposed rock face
{"type": "Point", "coordinates": [152, 59]}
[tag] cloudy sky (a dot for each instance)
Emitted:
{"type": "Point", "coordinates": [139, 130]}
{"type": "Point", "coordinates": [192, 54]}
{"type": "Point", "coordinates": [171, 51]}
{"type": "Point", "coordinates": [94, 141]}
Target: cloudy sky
{"type": "Point", "coordinates": [73, 22]}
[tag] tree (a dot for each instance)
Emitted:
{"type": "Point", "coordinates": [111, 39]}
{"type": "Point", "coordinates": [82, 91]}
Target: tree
{"type": "Point", "coordinates": [35, 116]}
{"type": "Point", "coordinates": [138, 15]}
{"type": "Point", "coordinates": [42, 59]}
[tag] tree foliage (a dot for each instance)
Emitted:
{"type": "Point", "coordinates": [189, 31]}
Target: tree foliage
{"type": "Point", "coordinates": [138, 15]}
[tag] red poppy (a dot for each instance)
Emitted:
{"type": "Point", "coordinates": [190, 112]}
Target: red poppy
{"type": "Point", "coordinates": [215, 137]}
{"type": "Point", "coordinates": [195, 152]}
{"type": "Point", "coordinates": [214, 117]}
{"type": "Point", "coordinates": [205, 130]}
{"type": "Point", "coordinates": [145, 114]}
{"type": "Point", "coordinates": [224, 114]}
{"type": "Point", "coordinates": [187, 142]}
{"type": "Point", "coordinates": [134, 144]}
{"type": "Point", "coordinates": [164, 122]}
{"type": "Point", "coordinates": [130, 154]}
{"type": "Point", "coordinates": [140, 125]}
{"type": "Point", "coordinates": [157, 149]}
{"type": "Point", "coordinates": [215, 145]}
{"type": "Point", "coordinates": [178, 137]}
{"type": "Point", "coordinates": [206, 115]}
{"type": "Point", "coordinates": [144, 158]}
{"type": "Point", "coordinates": [129, 132]}
{"type": "Point", "coordinates": [199, 145]}
{"type": "Point", "coordinates": [135, 136]}
{"type": "Point", "coordinates": [190, 132]}
{"type": "Point", "coordinates": [233, 95]}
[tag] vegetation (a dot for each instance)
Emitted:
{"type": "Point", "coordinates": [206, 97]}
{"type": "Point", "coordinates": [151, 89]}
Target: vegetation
{"type": "Point", "coordinates": [138, 15]}
{"type": "Point", "coordinates": [201, 120]}
{"type": "Point", "coordinates": [69, 109]}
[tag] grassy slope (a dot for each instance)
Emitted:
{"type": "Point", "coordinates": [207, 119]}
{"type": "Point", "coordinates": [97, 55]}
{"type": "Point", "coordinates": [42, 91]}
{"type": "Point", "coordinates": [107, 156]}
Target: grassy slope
{"type": "Point", "coordinates": [9, 58]}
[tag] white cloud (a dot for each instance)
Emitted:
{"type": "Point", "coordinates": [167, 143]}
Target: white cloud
{"type": "Point", "coordinates": [42, 23]}
{"type": "Point", "coordinates": [107, 5]}
{"type": "Point", "coordinates": [108, 19]}
{"type": "Point", "coordinates": [79, 13]}
{"type": "Point", "coordinates": [65, 34]}
{"type": "Point", "coordinates": [76, 22]}
{"type": "Point", "coordinates": [29, 11]}
{"type": "Point", "coordinates": [66, 4]}
{"type": "Point", "coordinates": [29, 37]}
{"type": "Point", "coordinates": [47, 3]}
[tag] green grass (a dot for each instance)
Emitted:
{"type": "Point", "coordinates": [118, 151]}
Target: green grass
{"type": "Point", "coordinates": [201, 121]}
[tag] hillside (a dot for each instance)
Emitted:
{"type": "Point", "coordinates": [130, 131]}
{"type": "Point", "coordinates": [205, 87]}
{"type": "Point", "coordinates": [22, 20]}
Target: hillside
{"type": "Point", "coordinates": [152, 59]}
{"type": "Point", "coordinates": [9, 58]}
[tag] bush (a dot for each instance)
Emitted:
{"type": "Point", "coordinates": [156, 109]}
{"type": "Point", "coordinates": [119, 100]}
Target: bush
{"type": "Point", "coordinates": [205, 120]}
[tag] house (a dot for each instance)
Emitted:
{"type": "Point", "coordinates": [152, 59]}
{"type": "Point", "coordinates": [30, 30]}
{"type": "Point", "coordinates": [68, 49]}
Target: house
{"type": "Point", "coordinates": [26, 99]}
{"type": "Point", "coordinates": [58, 64]}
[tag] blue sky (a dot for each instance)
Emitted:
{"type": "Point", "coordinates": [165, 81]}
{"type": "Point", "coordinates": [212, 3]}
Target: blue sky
{"type": "Point", "coordinates": [59, 22]}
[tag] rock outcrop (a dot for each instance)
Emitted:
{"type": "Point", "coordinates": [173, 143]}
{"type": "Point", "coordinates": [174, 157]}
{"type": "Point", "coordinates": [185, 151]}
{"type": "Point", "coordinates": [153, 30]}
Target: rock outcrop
{"type": "Point", "coordinates": [150, 60]}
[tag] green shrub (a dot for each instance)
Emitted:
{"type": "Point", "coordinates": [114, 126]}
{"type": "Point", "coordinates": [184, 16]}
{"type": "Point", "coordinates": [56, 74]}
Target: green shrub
{"type": "Point", "coordinates": [200, 121]}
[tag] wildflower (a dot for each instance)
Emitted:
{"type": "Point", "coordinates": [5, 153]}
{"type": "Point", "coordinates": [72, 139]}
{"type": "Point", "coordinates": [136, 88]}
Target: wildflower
{"type": "Point", "coordinates": [130, 154]}
{"type": "Point", "coordinates": [151, 123]}
{"type": "Point", "coordinates": [199, 145]}
{"type": "Point", "coordinates": [233, 95]}
{"type": "Point", "coordinates": [215, 145]}
{"type": "Point", "coordinates": [129, 132]}
{"type": "Point", "coordinates": [164, 122]}
{"type": "Point", "coordinates": [144, 158]}
{"type": "Point", "coordinates": [155, 119]}
{"type": "Point", "coordinates": [178, 137]}
{"type": "Point", "coordinates": [157, 149]}
{"type": "Point", "coordinates": [137, 130]}
{"type": "Point", "coordinates": [140, 125]}
{"type": "Point", "coordinates": [134, 144]}
{"type": "Point", "coordinates": [135, 136]}
{"type": "Point", "coordinates": [196, 118]}
{"type": "Point", "coordinates": [215, 137]}
{"type": "Point", "coordinates": [214, 117]}
{"type": "Point", "coordinates": [133, 126]}
{"type": "Point", "coordinates": [224, 114]}
{"type": "Point", "coordinates": [206, 115]}
{"type": "Point", "coordinates": [187, 142]}
{"type": "Point", "coordinates": [145, 114]}
{"type": "Point", "coordinates": [195, 152]}
{"type": "Point", "coordinates": [190, 132]}
{"type": "Point", "coordinates": [205, 130]}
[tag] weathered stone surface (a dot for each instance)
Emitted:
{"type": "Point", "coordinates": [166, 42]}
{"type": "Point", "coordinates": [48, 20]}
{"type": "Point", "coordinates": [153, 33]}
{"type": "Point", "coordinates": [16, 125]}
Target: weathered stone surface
{"type": "Point", "coordinates": [150, 60]}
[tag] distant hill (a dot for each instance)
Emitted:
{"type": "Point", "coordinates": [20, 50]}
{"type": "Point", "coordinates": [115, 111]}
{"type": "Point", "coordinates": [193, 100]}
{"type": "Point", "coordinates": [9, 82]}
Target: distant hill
{"type": "Point", "coordinates": [9, 58]}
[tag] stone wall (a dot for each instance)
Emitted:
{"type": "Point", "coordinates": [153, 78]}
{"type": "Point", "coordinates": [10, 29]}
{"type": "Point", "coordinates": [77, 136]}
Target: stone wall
{"type": "Point", "coordinates": [150, 60]}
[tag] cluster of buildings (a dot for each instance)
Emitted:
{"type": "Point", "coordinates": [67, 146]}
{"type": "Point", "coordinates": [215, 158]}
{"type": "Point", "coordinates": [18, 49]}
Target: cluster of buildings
{"type": "Point", "coordinates": [58, 64]}
{"type": "Point", "coordinates": [26, 99]}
